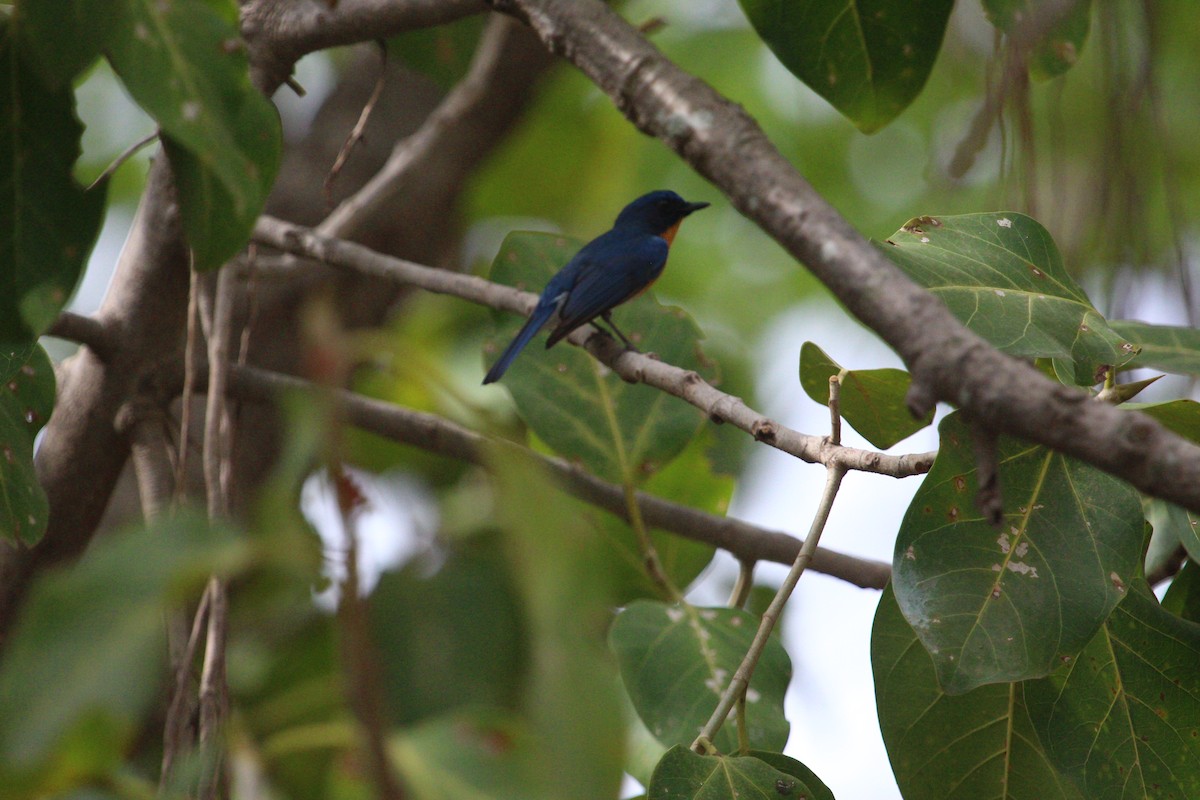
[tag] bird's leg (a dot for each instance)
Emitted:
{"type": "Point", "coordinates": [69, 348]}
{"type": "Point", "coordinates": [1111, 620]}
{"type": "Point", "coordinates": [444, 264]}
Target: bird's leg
{"type": "Point", "coordinates": [607, 317]}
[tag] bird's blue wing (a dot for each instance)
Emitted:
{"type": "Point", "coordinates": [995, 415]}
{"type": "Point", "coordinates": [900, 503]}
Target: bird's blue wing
{"type": "Point", "coordinates": [609, 273]}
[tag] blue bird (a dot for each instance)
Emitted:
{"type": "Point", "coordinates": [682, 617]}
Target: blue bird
{"type": "Point", "coordinates": [616, 266]}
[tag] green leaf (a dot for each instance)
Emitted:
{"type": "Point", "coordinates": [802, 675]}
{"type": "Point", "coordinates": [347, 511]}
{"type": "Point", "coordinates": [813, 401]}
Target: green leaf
{"type": "Point", "coordinates": [64, 37]}
{"type": "Point", "coordinates": [1176, 524]}
{"type": "Point", "coordinates": [1123, 719]}
{"type": "Point", "coordinates": [1005, 604]}
{"type": "Point", "coordinates": [1183, 595]}
{"type": "Point", "coordinates": [676, 662]}
{"type": "Point", "coordinates": [48, 223]}
{"type": "Point", "coordinates": [958, 747]}
{"type": "Point", "coordinates": [556, 563]}
{"type": "Point", "coordinates": [1165, 347]}
{"type": "Point", "coordinates": [13, 357]}
{"type": "Point", "coordinates": [31, 390]}
{"type": "Point", "coordinates": [684, 775]}
{"type": "Point", "coordinates": [185, 65]}
{"type": "Point", "coordinates": [868, 58]}
{"type": "Point", "coordinates": [1003, 277]}
{"type": "Point", "coordinates": [1059, 47]}
{"type": "Point", "coordinates": [1181, 416]}
{"type": "Point", "coordinates": [89, 641]}
{"type": "Point", "coordinates": [430, 629]}
{"type": "Point", "coordinates": [622, 432]}
{"type": "Point", "coordinates": [26, 401]}
{"type": "Point", "coordinates": [480, 756]}
{"type": "Point", "coordinates": [691, 481]}
{"type": "Point", "coordinates": [872, 400]}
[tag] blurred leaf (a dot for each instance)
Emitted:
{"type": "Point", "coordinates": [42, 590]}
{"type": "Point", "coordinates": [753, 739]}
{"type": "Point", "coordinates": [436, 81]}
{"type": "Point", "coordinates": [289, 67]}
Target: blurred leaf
{"type": "Point", "coordinates": [1059, 47]}
{"type": "Point", "coordinates": [1165, 347]}
{"type": "Point", "coordinates": [442, 52]}
{"type": "Point", "coordinates": [622, 432]}
{"type": "Point", "coordinates": [185, 65]}
{"type": "Point", "coordinates": [565, 593]}
{"type": "Point", "coordinates": [966, 746]}
{"type": "Point", "coordinates": [994, 605]}
{"type": "Point", "coordinates": [475, 756]}
{"type": "Point", "coordinates": [26, 401]}
{"type": "Point", "coordinates": [31, 390]}
{"type": "Point", "coordinates": [1123, 718]}
{"type": "Point", "coordinates": [13, 356]}
{"type": "Point", "coordinates": [684, 775]}
{"type": "Point", "coordinates": [1183, 595]}
{"type": "Point", "coordinates": [872, 400]}
{"type": "Point", "coordinates": [429, 632]}
{"type": "Point", "coordinates": [677, 660]}
{"type": "Point", "coordinates": [868, 58]}
{"type": "Point", "coordinates": [89, 640]}
{"type": "Point", "coordinates": [48, 223]}
{"type": "Point", "coordinates": [1002, 276]}
{"type": "Point", "coordinates": [691, 481]}
{"type": "Point", "coordinates": [64, 37]}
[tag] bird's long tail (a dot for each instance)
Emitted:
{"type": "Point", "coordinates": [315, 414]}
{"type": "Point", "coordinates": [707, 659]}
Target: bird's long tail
{"type": "Point", "coordinates": [541, 315]}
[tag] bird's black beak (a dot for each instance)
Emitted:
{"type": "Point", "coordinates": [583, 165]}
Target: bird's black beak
{"type": "Point", "coordinates": [695, 207]}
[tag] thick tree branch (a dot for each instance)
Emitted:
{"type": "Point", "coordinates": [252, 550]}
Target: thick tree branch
{"type": "Point", "coordinates": [724, 144]}
{"type": "Point", "coordinates": [634, 367]}
{"type": "Point", "coordinates": [745, 541]}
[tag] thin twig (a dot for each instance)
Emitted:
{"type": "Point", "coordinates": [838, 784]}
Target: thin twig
{"type": "Point", "coordinates": [179, 712]}
{"type": "Point", "coordinates": [189, 387]}
{"type": "Point", "coordinates": [216, 422]}
{"type": "Point", "coordinates": [127, 154]}
{"type": "Point", "coordinates": [214, 690]}
{"type": "Point", "coordinates": [742, 586]}
{"type": "Point", "coordinates": [735, 692]}
{"type": "Point", "coordinates": [356, 134]}
{"type": "Point", "coordinates": [441, 436]}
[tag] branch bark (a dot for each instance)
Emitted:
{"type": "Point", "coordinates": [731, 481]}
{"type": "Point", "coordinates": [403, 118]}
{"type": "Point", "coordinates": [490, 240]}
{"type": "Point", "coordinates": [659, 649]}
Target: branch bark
{"type": "Point", "coordinates": [948, 362]}
{"type": "Point", "coordinates": [745, 541]}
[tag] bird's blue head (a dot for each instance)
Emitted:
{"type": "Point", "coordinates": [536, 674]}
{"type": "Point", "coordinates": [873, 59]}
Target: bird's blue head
{"type": "Point", "coordinates": [658, 213]}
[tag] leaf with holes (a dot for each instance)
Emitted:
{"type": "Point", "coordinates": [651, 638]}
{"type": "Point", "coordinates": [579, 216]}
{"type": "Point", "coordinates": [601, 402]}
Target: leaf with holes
{"type": "Point", "coordinates": [1123, 718]}
{"type": "Point", "coordinates": [48, 223]}
{"type": "Point", "coordinates": [684, 775]}
{"type": "Point", "coordinates": [1006, 604]}
{"type": "Point", "coordinates": [676, 661]}
{"type": "Point", "coordinates": [1003, 277]}
{"type": "Point", "coordinates": [577, 406]}
{"type": "Point", "coordinates": [185, 64]}
{"type": "Point", "coordinates": [872, 400]}
{"type": "Point", "coordinates": [868, 58]}
{"type": "Point", "coordinates": [978, 744]}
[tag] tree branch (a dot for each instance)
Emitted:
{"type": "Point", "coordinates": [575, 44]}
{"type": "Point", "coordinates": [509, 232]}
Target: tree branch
{"type": "Point", "coordinates": [948, 362]}
{"type": "Point", "coordinates": [87, 331]}
{"type": "Point", "coordinates": [633, 367]}
{"type": "Point", "coordinates": [440, 436]}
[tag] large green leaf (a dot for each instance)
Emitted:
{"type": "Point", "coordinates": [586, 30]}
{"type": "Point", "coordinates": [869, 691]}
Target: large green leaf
{"type": "Point", "coordinates": [89, 643]}
{"type": "Point", "coordinates": [691, 481]}
{"type": "Point", "coordinates": [1165, 347]}
{"type": "Point", "coordinates": [677, 660]}
{"type": "Point", "coordinates": [1002, 604]}
{"type": "Point", "coordinates": [556, 564]}
{"type": "Point", "coordinates": [953, 747]}
{"type": "Point", "coordinates": [1058, 47]}
{"type": "Point", "coordinates": [622, 432]}
{"type": "Point", "coordinates": [872, 400]}
{"type": "Point", "coordinates": [26, 401]}
{"type": "Point", "coordinates": [1183, 595]}
{"type": "Point", "coordinates": [429, 630]}
{"type": "Point", "coordinates": [868, 58]}
{"type": "Point", "coordinates": [64, 37]}
{"type": "Point", "coordinates": [48, 223]}
{"type": "Point", "coordinates": [467, 756]}
{"type": "Point", "coordinates": [684, 775]}
{"type": "Point", "coordinates": [1003, 277]}
{"type": "Point", "coordinates": [186, 66]}
{"type": "Point", "coordinates": [1123, 718]}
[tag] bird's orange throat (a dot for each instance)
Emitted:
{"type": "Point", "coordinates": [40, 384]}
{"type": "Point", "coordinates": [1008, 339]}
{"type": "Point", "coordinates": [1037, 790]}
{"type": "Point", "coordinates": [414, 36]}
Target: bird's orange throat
{"type": "Point", "coordinates": [669, 233]}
